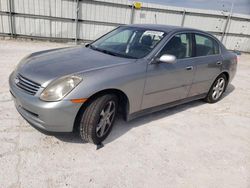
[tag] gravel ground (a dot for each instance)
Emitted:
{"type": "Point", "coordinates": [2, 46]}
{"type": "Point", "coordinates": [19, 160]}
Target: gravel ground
{"type": "Point", "coordinates": [192, 145]}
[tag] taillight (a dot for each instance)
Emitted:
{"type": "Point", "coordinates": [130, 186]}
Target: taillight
{"type": "Point", "coordinates": [237, 59]}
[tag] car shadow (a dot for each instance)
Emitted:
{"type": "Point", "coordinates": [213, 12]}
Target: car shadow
{"type": "Point", "coordinates": [121, 127]}
{"type": "Point", "coordinates": [230, 89]}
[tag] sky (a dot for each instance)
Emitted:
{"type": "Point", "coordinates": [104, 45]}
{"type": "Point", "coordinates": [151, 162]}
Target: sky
{"type": "Point", "coordinates": [240, 6]}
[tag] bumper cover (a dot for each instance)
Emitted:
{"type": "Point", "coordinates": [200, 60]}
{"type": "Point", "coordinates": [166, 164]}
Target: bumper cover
{"type": "Point", "coordinates": [48, 116]}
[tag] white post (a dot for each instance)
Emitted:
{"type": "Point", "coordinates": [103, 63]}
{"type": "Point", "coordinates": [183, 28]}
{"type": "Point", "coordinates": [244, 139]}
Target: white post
{"type": "Point", "coordinates": [76, 20]}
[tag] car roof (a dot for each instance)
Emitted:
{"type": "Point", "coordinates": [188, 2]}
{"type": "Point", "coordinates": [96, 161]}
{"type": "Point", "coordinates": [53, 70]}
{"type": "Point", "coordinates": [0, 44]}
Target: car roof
{"type": "Point", "coordinates": [165, 28]}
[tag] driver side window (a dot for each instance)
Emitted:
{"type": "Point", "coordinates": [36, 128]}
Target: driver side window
{"type": "Point", "coordinates": [180, 46]}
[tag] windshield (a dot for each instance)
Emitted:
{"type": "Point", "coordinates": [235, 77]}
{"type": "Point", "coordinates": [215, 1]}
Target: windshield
{"type": "Point", "coordinates": [129, 42]}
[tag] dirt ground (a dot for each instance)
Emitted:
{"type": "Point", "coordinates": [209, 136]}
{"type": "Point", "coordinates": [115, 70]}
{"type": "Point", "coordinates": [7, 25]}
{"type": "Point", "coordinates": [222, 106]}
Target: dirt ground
{"type": "Point", "coordinates": [193, 145]}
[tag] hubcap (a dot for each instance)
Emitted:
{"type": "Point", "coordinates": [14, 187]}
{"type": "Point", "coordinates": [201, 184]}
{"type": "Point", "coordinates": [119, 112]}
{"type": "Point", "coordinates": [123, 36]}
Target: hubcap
{"type": "Point", "coordinates": [106, 119]}
{"type": "Point", "coordinates": [218, 88]}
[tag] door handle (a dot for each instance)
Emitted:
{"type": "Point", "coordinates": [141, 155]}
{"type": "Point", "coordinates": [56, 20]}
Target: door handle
{"type": "Point", "coordinates": [189, 68]}
{"type": "Point", "coordinates": [218, 63]}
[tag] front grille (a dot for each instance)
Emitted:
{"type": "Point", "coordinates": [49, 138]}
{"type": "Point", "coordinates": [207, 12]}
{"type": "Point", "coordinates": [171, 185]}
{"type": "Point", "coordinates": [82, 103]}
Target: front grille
{"type": "Point", "coordinates": [27, 85]}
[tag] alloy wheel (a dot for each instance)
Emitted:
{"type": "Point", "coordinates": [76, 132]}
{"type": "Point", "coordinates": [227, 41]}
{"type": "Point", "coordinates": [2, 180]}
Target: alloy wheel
{"type": "Point", "coordinates": [106, 119]}
{"type": "Point", "coordinates": [218, 88]}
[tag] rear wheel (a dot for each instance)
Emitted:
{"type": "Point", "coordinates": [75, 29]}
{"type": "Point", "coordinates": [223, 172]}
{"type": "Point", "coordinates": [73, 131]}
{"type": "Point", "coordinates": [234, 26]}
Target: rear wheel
{"type": "Point", "coordinates": [98, 118]}
{"type": "Point", "coordinates": [217, 89]}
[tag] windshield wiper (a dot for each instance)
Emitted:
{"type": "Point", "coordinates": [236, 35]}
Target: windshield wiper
{"type": "Point", "coordinates": [103, 50]}
{"type": "Point", "coordinates": [109, 52]}
{"type": "Point", "coordinates": [100, 50]}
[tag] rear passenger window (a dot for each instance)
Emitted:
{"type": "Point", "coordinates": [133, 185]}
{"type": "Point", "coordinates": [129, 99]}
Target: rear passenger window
{"type": "Point", "coordinates": [205, 45]}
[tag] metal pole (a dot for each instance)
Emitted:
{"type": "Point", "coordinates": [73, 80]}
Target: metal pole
{"type": "Point", "coordinates": [76, 20]}
{"type": "Point", "coordinates": [2, 30]}
{"type": "Point", "coordinates": [132, 15]}
{"type": "Point", "coordinates": [11, 18]}
{"type": "Point", "coordinates": [183, 18]}
{"type": "Point", "coordinates": [228, 19]}
{"type": "Point", "coordinates": [50, 21]}
{"type": "Point", "coordinates": [225, 28]}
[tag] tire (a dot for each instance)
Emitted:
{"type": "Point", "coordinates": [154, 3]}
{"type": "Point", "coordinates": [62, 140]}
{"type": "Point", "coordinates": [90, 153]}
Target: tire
{"type": "Point", "coordinates": [217, 89]}
{"type": "Point", "coordinates": [96, 121]}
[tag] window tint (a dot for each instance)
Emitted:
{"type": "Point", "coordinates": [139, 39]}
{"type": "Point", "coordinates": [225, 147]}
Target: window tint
{"type": "Point", "coordinates": [155, 36]}
{"type": "Point", "coordinates": [180, 46]}
{"type": "Point", "coordinates": [121, 37]}
{"type": "Point", "coordinates": [205, 45]}
{"type": "Point", "coordinates": [130, 42]}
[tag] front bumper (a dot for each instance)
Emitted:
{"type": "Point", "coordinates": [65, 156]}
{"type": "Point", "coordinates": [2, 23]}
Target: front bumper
{"type": "Point", "coordinates": [48, 116]}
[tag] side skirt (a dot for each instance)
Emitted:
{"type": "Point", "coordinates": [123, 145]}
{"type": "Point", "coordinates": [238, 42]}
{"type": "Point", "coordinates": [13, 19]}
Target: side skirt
{"type": "Point", "coordinates": [164, 106]}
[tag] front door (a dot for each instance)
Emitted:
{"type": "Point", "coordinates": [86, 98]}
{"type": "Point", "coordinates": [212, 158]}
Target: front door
{"type": "Point", "coordinates": [166, 82]}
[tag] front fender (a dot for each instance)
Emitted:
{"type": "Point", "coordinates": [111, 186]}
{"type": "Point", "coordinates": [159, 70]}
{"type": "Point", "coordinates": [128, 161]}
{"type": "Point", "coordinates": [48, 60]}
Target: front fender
{"type": "Point", "coordinates": [128, 78]}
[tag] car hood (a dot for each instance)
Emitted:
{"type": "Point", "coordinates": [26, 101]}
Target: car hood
{"type": "Point", "coordinates": [43, 67]}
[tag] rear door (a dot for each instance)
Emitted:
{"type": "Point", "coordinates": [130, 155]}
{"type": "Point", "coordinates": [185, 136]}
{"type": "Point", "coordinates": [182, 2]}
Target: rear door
{"type": "Point", "coordinates": [208, 62]}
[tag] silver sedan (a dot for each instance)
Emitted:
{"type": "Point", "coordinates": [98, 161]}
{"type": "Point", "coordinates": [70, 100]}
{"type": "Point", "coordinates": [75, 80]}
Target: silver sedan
{"type": "Point", "coordinates": [132, 70]}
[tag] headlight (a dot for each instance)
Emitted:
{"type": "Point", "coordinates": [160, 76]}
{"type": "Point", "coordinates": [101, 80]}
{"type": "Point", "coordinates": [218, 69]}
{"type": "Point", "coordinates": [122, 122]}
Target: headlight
{"type": "Point", "coordinates": [58, 89]}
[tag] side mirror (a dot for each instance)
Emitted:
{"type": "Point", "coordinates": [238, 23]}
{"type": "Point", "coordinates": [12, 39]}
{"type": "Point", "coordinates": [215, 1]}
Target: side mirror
{"type": "Point", "coordinates": [87, 44]}
{"type": "Point", "coordinates": [167, 58]}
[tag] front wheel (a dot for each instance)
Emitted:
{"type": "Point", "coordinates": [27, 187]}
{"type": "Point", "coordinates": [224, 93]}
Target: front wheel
{"type": "Point", "coordinates": [217, 89]}
{"type": "Point", "coordinates": [98, 118]}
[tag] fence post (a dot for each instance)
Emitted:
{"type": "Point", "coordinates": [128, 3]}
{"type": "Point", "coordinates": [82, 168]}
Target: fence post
{"type": "Point", "coordinates": [76, 20]}
{"type": "Point", "coordinates": [183, 18]}
{"type": "Point", "coordinates": [132, 14]}
{"type": "Point", "coordinates": [225, 27]}
{"type": "Point", "coordinates": [11, 18]}
{"type": "Point", "coordinates": [50, 21]}
{"type": "Point", "coordinates": [227, 22]}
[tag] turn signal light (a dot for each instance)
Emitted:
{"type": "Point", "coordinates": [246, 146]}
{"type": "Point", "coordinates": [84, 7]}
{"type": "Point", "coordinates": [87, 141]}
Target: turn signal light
{"type": "Point", "coordinates": [79, 100]}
